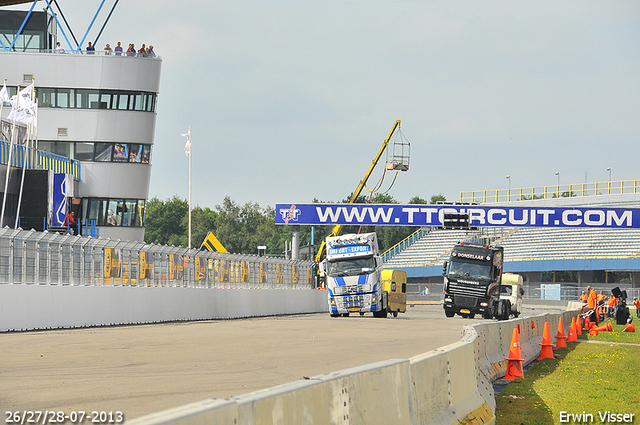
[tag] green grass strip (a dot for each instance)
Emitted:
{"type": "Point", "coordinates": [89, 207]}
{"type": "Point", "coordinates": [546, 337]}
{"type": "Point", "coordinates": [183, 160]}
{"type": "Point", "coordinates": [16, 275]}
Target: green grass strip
{"type": "Point", "coordinates": [584, 383]}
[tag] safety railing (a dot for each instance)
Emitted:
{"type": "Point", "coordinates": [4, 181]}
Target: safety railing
{"type": "Point", "coordinates": [550, 192]}
{"type": "Point", "coordinates": [403, 244]}
{"type": "Point", "coordinates": [37, 159]}
{"type": "Point", "coordinates": [32, 257]}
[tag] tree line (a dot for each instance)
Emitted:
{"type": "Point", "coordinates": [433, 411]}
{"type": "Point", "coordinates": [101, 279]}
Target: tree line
{"type": "Point", "coordinates": [242, 228]}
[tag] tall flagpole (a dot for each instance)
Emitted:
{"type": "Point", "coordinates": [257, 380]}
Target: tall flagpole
{"type": "Point", "coordinates": [190, 155]}
{"type": "Point", "coordinates": [6, 181]}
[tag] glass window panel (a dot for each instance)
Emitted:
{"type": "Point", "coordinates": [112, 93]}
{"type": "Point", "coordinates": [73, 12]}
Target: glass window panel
{"type": "Point", "coordinates": [64, 99]}
{"type": "Point", "coordinates": [82, 98]}
{"type": "Point", "coordinates": [135, 153]}
{"type": "Point", "coordinates": [105, 100]}
{"type": "Point", "coordinates": [102, 211]}
{"type": "Point", "coordinates": [115, 211]}
{"type": "Point", "coordinates": [46, 146]}
{"type": "Point", "coordinates": [139, 106]}
{"type": "Point", "coordinates": [103, 152]}
{"type": "Point", "coordinates": [84, 151]}
{"type": "Point", "coordinates": [121, 152]}
{"type": "Point", "coordinates": [146, 154]}
{"type": "Point", "coordinates": [123, 101]}
{"type": "Point", "coordinates": [63, 148]}
{"type": "Point", "coordinates": [141, 212]}
{"type": "Point", "coordinates": [45, 97]}
{"type": "Point", "coordinates": [94, 99]}
{"type": "Point", "coordinates": [129, 215]}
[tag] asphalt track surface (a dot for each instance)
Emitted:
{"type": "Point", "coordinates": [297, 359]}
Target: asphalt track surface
{"type": "Point", "coordinates": [144, 369]}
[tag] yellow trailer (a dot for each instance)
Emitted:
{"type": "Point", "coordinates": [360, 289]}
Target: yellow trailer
{"type": "Point", "coordinates": [394, 283]}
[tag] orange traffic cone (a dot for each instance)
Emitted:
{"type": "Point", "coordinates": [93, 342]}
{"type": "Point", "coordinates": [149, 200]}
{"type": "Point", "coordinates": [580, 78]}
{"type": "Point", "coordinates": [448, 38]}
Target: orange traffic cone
{"type": "Point", "coordinates": [593, 332]}
{"type": "Point", "coordinates": [561, 338]}
{"type": "Point", "coordinates": [578, 327]}
{"type": "Point", "coordinates": [533, 324]}
{"type": "Point", "coordinates": [604, 328]}
{"type": "Point", "coordinates": [572, 331]}
{"type": "Point", "coordinates": [546, 352]}
{"type": "Point", "coordinates": [514, 367]}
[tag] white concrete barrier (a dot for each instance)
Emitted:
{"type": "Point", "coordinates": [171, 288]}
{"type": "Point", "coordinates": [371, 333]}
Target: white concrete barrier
{"type": "Point", "coordinates": [29, 307]}
{"type": "Point", "coordinates": [450, 385]}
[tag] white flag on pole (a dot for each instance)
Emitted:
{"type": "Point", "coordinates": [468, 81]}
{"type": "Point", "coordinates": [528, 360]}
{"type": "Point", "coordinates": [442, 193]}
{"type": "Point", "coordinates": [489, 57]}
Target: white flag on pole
{"type": "Point", "coordinates": [4, 95]}
{"type": "Point", "coordinates": [187, 145]}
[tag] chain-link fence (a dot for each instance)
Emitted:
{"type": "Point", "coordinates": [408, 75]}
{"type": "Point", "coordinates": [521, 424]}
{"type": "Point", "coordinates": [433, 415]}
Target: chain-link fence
{"type": "Point", "coordinates": [31, 257]}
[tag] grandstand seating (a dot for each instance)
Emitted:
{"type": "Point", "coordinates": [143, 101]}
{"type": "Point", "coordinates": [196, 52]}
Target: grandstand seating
{"type": "Point", "coordinates": [527, 243]}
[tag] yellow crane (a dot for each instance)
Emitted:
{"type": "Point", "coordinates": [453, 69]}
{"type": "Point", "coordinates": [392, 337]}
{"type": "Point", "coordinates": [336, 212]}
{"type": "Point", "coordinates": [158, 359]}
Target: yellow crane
{"type": "Point", "coordinates": [394, 165]}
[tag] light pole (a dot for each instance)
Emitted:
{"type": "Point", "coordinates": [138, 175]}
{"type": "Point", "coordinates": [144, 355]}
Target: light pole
{"type": "Point", "coordinates": [609, 188]}
{"type": "Point", "coordinates": [509, 191]}
{"type": "Point", "coordinates": [558, 174]}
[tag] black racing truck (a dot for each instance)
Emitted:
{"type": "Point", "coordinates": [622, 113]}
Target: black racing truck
{"type": "Point", "coordinates": [472, 278]}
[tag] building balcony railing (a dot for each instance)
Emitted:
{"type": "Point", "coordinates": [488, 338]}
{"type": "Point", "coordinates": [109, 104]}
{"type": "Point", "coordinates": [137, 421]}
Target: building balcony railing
{"type": "Point", "coordinates": [33, 159]}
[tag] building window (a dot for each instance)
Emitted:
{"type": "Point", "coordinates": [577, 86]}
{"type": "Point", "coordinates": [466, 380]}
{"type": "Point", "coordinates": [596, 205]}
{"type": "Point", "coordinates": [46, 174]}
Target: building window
{"type": "Point", "coordinates": [121, 100]}
{"type": "Point", "coordinates": [103, 152]}
{"type": "Point", "coordinates": [114, 212]}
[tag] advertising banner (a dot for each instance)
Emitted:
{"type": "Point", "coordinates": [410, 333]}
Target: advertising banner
{"type": "Point", "coordinates": [433, 215]}
{"type": "Point", "coordinates": [62, 190]}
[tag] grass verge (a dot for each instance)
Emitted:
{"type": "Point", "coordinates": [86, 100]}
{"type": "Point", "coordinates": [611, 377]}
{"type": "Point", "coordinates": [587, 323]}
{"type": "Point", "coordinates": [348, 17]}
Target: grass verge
{"type": "Point", "coordinates": [586, 378]}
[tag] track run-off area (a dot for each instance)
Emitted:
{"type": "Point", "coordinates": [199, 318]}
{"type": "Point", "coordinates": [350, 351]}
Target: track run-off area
{"type": "Point", "coordinates": [144, 369]}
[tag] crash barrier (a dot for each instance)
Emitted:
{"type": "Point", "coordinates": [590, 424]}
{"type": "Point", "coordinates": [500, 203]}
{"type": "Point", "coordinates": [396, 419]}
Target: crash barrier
{"type": "Point", "coordinates": [32, 257]}
{"type": "Point", "coordinates": [49, 280]}
{"type": "Point", "coordinates": [450, 385]}
{"type": "Point", "coordinates": [31, 307]}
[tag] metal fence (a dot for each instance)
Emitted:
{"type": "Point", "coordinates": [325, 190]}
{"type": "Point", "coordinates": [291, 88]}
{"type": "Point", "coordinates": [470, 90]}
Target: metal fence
{"type": "Point", "coordinates": [32, 257]}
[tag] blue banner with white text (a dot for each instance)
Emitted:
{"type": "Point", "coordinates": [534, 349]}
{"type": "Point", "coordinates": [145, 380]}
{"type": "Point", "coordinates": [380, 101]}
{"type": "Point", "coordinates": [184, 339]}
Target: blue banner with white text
{"type": "Point", "coordinates": [433, 215]}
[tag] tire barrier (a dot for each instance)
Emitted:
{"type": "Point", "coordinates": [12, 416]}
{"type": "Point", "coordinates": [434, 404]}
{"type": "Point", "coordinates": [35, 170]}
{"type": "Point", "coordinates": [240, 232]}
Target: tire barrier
{"type": "Point", "coordinates": [449, 385]}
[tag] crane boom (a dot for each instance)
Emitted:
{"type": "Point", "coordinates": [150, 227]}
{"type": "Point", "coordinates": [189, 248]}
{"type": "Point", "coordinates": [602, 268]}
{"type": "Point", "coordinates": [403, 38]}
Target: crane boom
{"type": "Point", "coordinates": [336, 229]}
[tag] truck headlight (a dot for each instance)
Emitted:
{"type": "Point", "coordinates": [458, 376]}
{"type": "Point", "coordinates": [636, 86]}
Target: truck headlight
{"type": "Point", "coordinates": [333, 302]}
{"type": "Point", "coordinates": [484, 304]}
{"type": "Point", "coordinates": [374, 299]}
{"type": "Point", "coordinates": [448, 300]}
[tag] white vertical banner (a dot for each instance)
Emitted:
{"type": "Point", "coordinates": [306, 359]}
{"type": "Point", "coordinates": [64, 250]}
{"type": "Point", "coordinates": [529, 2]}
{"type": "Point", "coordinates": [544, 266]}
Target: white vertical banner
{"type": "Point", "coordinates": [187, 151]}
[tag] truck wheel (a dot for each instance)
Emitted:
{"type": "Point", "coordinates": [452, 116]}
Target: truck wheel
{"type": "Point", "coordinates": [382, 313]}
{"type": "Point", "coordinates": [507, 311]}
{"type": "Point", "coordinates": [487, 315]}
{"type": "Point", "coordinates": [334, 315]}
{"type": "Point", "coordinates": [345, 314]}
{"type": "Point", "coordinates": [472, 315]}
{"type": "Point", "coordinates": [449, 313]}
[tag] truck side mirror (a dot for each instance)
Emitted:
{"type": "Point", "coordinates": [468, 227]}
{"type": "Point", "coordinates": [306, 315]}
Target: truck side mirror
{"type": "Point", "coordinates": [444, 268]}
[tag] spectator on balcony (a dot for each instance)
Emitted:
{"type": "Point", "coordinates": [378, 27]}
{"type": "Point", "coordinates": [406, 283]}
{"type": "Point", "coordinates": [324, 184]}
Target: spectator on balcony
{"type": "Point", "coordinates": [90, 49]}
{"type": "Point", "coordinates": [59, 48]}
{"type": "Point", "coordinates": [150, 52]}
{"type": "Point", "coordinates": [118, 49]}
{"type": "Point", "coordinates": [143, 51]}
{"type": "Point", "coordinates": [107, 49]}
{"type": "Point", "coordinates": [131, 51]}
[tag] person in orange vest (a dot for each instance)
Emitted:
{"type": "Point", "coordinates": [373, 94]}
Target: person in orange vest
{"type": "Point", "coordinates": [613, 301]}
{"type": "Point", "coordinates": [591, 303]}
{"type": "Point", "coordinates": [629, 327]}
{"type": "Point", "coordinates": [602, 298]}
{"type": "Point", "coordinates": [583, 297]}
{"type": "Point", "coordinates": [636, 303]}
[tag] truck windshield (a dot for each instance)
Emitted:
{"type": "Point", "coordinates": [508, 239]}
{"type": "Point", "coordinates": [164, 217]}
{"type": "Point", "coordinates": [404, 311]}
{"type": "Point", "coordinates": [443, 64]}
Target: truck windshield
{"type": "Point", "coordinates": [470, 270]}
{"type": "Point", "coordinates": [351, 267]}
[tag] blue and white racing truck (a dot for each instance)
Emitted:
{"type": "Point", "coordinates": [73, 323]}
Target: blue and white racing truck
{"type": "Point", "coordinates": [352, 271]}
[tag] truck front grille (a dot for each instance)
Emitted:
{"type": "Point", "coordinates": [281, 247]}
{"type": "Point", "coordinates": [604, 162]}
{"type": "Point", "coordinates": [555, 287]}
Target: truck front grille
{"type": "Point", "coordinates": [468, 291]}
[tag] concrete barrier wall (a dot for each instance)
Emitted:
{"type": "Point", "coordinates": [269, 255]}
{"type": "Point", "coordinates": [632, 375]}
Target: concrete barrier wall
{"type": "Point", "coordinates": [29, 307]}
{"type": "Point", "coordinates": [449, 385]}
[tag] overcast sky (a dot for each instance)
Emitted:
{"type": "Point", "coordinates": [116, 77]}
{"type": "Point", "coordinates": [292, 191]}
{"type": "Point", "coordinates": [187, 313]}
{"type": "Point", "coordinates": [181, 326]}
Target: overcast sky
{"type": "Point", "coordinates": [291, 100]}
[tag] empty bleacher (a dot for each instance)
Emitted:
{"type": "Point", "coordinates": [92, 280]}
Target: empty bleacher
{"type": "Point", "coordinates": [526, 243]}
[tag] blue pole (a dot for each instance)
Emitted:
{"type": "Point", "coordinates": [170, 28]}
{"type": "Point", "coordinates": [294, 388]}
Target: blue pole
{"type": "Point", "coordinates": [23, 24]}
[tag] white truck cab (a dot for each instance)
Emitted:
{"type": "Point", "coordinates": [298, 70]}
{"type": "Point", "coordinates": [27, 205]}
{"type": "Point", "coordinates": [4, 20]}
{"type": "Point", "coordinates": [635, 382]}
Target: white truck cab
{"type": "Point", "coordinates": [512, 289]}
